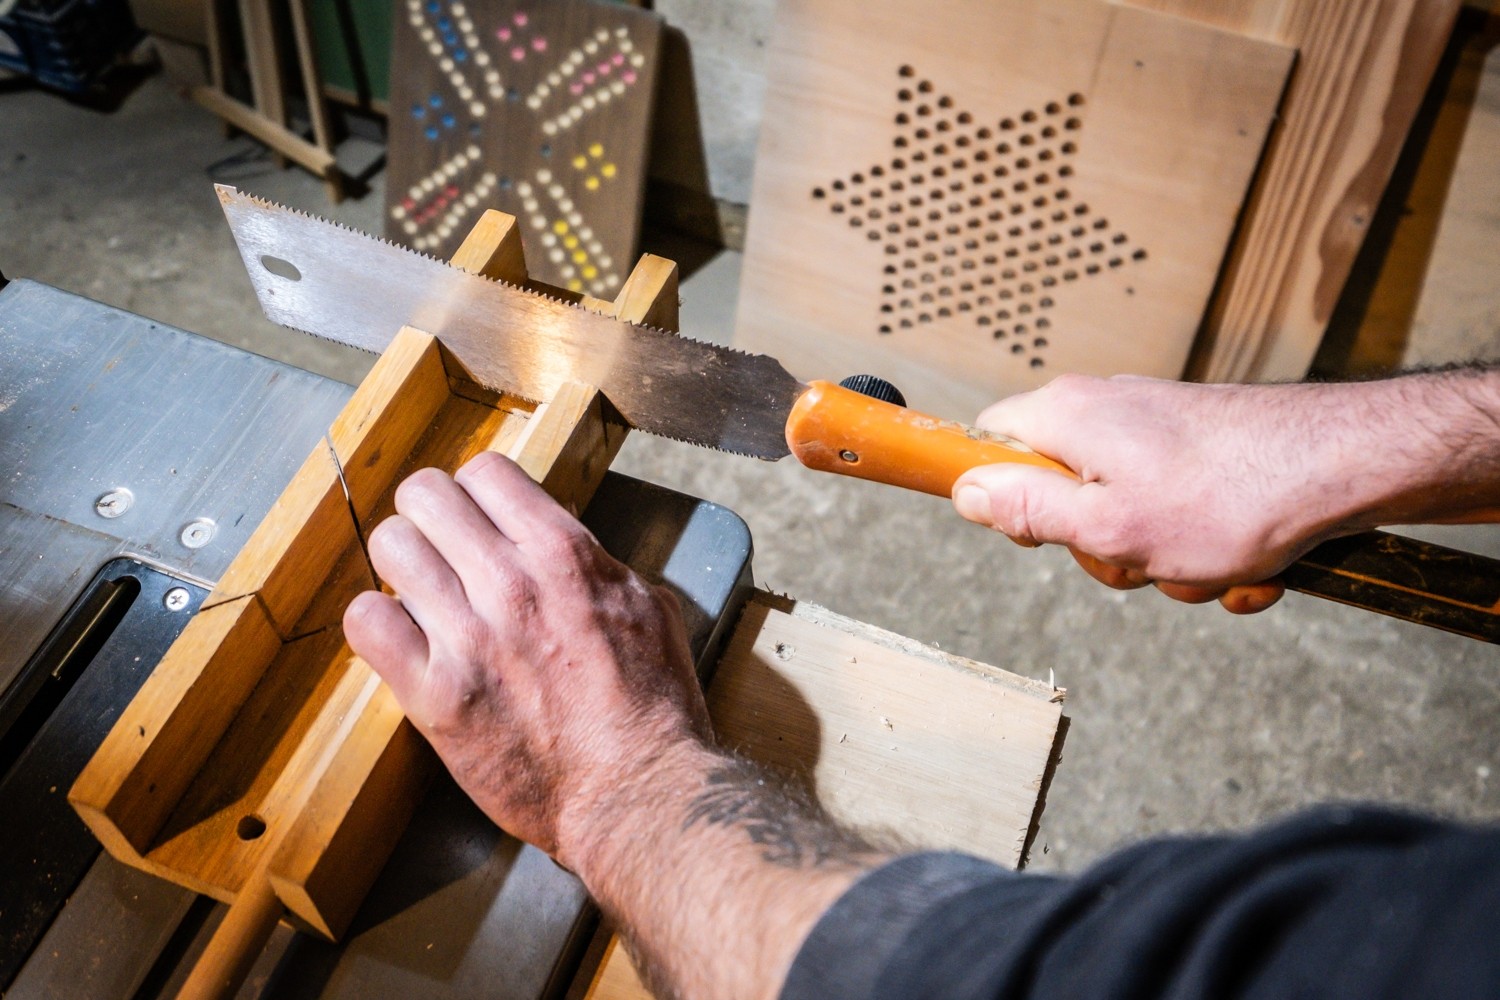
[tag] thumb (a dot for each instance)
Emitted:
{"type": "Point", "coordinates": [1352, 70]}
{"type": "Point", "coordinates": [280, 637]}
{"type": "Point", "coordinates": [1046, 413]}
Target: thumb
{"type": "Point", "coordinates": [1030, 505]}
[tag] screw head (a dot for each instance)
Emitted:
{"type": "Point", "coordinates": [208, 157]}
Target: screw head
{"type": "Point", "coordinates": [198, 532]}
{"type": "Point", "coordinates": [176, 599]}
{"type": "Point", "coordinates": [849, 456]}
{"type": "Point", "coordinates": [114, 503]}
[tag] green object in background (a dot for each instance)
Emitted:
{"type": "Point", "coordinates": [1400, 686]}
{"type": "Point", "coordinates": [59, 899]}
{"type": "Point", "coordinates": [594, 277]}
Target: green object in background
{"type": "Point", "coordinates": [354, 48]}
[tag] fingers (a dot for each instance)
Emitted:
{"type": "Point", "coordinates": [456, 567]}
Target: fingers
{"type": "Point", "coordinates": [511, 499]}
{"type": "Point", "coordinates": [1252, 598]}
{"type": "Point", "coordinates": [379, 629]}
{"type": "Point", "coordinates": [1118, 577]}
{"type": "Point", "coordinates": [1030, 505]}
{"type": "Point", "coordinates": [405, 559]}
{"type": "Point", "coordinates": [455, 526]}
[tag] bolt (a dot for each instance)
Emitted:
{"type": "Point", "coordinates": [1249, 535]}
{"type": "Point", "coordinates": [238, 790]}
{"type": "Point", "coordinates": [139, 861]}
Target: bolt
{"type": "Point", "coordinates": [175, 599]}
{"type": "Point", "coordinates": [114, 503]}
{"type": "Point", "coordinates": [848, 456]}
{"type": "Point", "coordinates": [196, 533]}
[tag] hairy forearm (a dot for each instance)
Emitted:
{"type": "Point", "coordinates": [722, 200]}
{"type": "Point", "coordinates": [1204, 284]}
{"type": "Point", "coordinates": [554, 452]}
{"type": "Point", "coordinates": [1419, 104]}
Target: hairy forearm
{"type": "Point", "coordinates": [714, 870]}
{"type": "Point", "coordinates": [1416, 449]}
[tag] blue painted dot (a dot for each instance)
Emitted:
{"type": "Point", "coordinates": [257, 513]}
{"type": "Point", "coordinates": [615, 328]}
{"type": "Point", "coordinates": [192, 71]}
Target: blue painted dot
{"type": "Point", "coordinates": [445, 25]}
{"type": "Point", "coordinates": [418, 112]}
{"type": "Point", "coordinates": [459, 55]}
{"type": "Point", "coordinates": [432, 132]}
{"type": "Point", "coordinates": [433, 7]}
{"type": "Point", "coordinates": [451, 41]}
{"type": "Point", "coordinates": [436, 100]}
{"type": "Point", "coordinates": [448, 121]}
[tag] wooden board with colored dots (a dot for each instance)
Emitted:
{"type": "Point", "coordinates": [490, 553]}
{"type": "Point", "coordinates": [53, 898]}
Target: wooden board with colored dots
{"type": "Point", "coordinates": [975, 200]}
{"type": "Point", "coordinates": [541, 110]}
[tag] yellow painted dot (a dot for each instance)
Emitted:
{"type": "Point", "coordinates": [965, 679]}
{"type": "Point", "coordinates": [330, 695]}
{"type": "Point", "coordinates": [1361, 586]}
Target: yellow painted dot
{"type": "Point", "coordinates": [579, 256]}
{"type": "Point", "coordinates": [591, 272]}
{"type": "Point", "coordinates": [596, 150]}
{"type": "Point", "coordinates": [575, 285]}
{"type": "Point", "coordinates": [579, 162]}
{"type": "Point", "coordinates": [592, 183]}
{"type": "Point", "coordinates": [559, 227]}
{"type": "Point", "coordinates": [608, 170]}
{"type": "Point", "coordinates": [570, 242]}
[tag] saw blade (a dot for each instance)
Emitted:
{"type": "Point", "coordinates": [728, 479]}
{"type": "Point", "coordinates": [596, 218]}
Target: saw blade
{"type": "Point", "coordinates": [326, 279]}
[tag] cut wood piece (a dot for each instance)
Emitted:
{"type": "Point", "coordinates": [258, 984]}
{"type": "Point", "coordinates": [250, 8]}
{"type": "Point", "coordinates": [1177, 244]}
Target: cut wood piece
{"type": "Point", "coordinates": [892, 735]}
{"type": "Point", "coordinates": [569, 443]}
{"type": "Point", "coordinates": [555, 131]}
{"type": "Point", "coordinates": [1361, 73]}
{"type": "Point", "coordinates": [974, 200]}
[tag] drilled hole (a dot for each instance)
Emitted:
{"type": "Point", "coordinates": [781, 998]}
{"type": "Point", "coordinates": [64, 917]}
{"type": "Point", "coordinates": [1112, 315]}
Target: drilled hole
{"type": "Point", "coordinates": [250, 827]}
{"type": "Point", "coordinates": [281, 268]}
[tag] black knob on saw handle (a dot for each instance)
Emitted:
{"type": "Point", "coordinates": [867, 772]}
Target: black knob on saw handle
{"type": "Point", "coordinates": [875, 388]}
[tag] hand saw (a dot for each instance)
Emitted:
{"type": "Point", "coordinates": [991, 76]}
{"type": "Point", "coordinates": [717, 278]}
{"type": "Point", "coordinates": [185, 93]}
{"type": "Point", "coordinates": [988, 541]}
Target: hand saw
{"type": "Point", "coordinates": [333, 282]}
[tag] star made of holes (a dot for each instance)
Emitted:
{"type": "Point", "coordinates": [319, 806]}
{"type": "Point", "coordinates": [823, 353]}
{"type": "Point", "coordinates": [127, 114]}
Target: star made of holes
{"type": "Point", "coordinates": [977, 219]}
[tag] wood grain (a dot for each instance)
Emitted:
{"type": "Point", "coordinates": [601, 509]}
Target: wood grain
{"type": "Point", "coordinates": [1361, 73]}
{"type": "Point", "coordinates": [546, 115]}
{"type": "Point", "coordinates": [941, 751]}
{"type": "Point", "coordinates": [972, 201]}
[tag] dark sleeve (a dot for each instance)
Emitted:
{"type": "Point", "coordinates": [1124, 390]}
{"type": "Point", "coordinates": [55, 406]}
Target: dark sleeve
{"type": "Point", "coordinates": [1339, 902]}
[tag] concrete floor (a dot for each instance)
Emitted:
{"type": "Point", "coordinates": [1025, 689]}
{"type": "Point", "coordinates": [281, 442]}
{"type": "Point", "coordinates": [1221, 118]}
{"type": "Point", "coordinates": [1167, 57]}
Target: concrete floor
{"type": "Point", "coordinates": [1184, 718]}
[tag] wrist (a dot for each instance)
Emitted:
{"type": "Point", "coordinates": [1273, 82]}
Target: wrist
{"type": "Point", "coordinates": [598, 826]}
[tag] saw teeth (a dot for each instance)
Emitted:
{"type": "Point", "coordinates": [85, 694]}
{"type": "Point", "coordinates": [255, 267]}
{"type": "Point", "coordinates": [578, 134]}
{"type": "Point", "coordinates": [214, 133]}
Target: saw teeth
{"type": "Point", "coordinates": [226, 192]}
{"type": "Point", "coordinates": [700, 444]}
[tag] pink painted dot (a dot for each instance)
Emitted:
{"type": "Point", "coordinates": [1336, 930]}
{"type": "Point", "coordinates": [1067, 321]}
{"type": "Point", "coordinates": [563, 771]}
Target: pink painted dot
{"type": "Point", "coordinates": [503, 34]}
{"type": "Point", "coordinates": [408, 204]}
{"type": "Point", "coordinates": [576, 88]}
{"type": "Point", "coordinates": [619, 59]}
{"type": "Point", "coordinates": [629, 76]}
{"type": "Point", "coordinates": [518, 53]}
{"type": "Point", "coordinates": [540, 44]}
{"type": "Point", "coordinates": [588, 78]}
{"type": "Point", "coordinates": [452, 191]}
{"type": "Point", "coordinates": [520, 19]}
{"type": "Point", "coordinates": [604, 69]}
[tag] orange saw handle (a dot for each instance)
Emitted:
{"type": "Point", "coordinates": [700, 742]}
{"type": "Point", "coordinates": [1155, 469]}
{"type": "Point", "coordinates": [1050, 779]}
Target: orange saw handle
{"type": "Point", "coordinates": [835, 429]}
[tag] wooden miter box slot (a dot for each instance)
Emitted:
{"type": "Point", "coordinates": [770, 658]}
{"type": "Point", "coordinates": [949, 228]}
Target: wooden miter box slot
{"type": "Point", "coordinates": [262, 748]}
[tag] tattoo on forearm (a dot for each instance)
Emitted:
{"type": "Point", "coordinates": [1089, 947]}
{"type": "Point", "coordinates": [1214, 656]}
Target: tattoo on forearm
{"type": "Point", "coordinates": [792, 829]}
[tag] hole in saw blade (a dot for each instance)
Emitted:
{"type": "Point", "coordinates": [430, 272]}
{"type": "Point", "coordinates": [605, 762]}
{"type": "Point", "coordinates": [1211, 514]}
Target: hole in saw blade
{"type": "Point", "coordinates": [281, 268]}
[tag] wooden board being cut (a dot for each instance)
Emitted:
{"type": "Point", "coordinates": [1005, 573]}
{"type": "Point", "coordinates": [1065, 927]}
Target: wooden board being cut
{"type": "Point", "coordinates": [976, 199]}
{"type": "Point", "coordinates": [541, 110]}
{"type": "Point", "coordinates": [941, 751]}
{"type": "Point", "coordinates": [1362, 69]}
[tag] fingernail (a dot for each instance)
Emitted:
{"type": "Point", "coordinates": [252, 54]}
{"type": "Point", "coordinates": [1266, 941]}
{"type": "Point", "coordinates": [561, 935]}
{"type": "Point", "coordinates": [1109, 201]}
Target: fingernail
{"type": "Point", "coordinates": [973, 504]}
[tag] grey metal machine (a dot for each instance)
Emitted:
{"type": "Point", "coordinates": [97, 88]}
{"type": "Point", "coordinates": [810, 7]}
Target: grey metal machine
{"type": "Point", "coordinates": [135, 461]}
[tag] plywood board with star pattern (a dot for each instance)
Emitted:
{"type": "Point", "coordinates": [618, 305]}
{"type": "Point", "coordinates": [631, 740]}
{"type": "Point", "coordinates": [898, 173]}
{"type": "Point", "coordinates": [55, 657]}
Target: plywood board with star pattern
{"type": "Point", "coordinates": [540, 110]}
{"type": "Point", "coordinates": [975, 197]}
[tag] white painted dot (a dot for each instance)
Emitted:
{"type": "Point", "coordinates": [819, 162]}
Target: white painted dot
{"type": "Point", "coordinates": [556, 256]}
{"type": "Point", "coordinates": [622, 32]}
{"type": "Point", "coordinates": [618, 87]}
{"type": "Point", "coordinates": [523, 189]}
{"type": "Point", "coordinates": [471, 199]}
{"type": "Point", "coordinates": [435, 48]}
{"type": "Point", "coordinates": [574, 218]}
{"type": "Point", "coordinates": [477, 110]}
{"type": "Point", "coordinates": [591, 47]}
{"type": "Point", "coordinates": [637, 60]}
{"type": "Point", "coordinates": [550, 128]}
{"type": "Point", "coordinates": [538, 222]}
{"type": "Point", "coordinates": [466, 93]}
{"type": "Point", "coordinates": [544, 176]}
{"type": "Point", "coordinates": [427, 184]}
{"type": "Point", "coordinates": [530, 204]}
{"type": "Point", "coordinates": [626, 45]}
{"type": "Point", "coordinates": [604, 95]}
{"type": "Point", "coordinates": [472, 41]}
{"type": "Point", "coordinates": [446, 64]}
{"type": "Point", "coordinates": [602, 34]}
{"type": "Point", "coordinates": [597, 286]}
{"type": "Point", "coordinates": [497, 91]}
{"type": "Point", "coordinates": [569, 271]}
{"type": "Point", "coordinates": [554, 79]}
{"type": "Point", "coordinates": [588, 103]}
{"type": "Point", "coordinates": [397, 212]}
{"type": "Point", "coordinates": [605, 262]}
{"type": "Point", "coordinates": [534, 102]}
{"type": "Point", "coordinates": [549, 239]}
{"type": "Point", "coordinates": [612, 280]}
{"type": "Point", "coordinates": [585, 233]}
